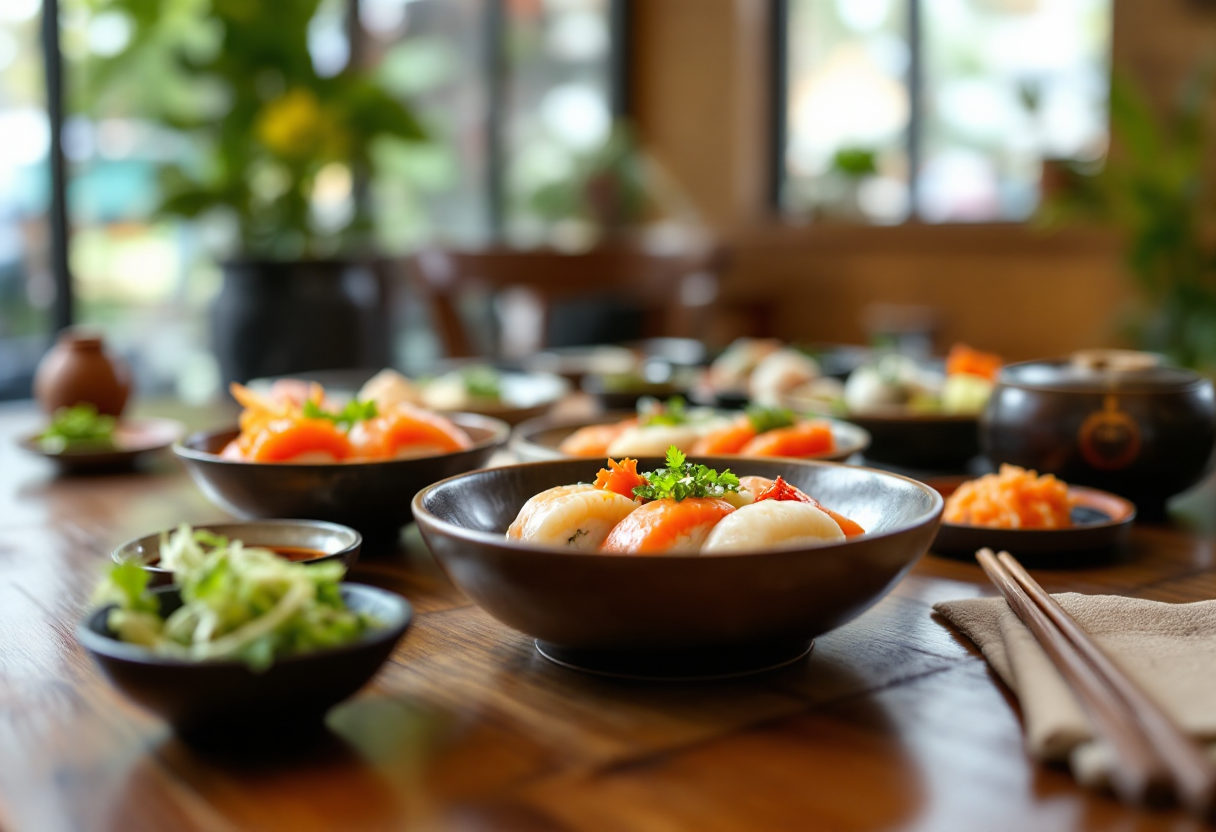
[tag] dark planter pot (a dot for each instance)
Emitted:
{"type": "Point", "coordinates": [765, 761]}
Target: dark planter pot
{"type": "Point", "coordinates": [273, 318]}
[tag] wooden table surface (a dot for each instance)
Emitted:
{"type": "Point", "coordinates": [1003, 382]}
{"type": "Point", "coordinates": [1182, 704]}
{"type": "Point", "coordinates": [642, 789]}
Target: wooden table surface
{"type": "Point", "coordinates": [893, 723]}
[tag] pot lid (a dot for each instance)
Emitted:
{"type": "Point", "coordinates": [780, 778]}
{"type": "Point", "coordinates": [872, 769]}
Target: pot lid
{"type": "Point", "coordinates": [1101, 371]}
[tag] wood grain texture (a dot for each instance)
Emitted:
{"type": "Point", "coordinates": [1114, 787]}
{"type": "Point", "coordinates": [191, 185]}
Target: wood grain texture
{"type": "Point", "coordinates": [893, 722]}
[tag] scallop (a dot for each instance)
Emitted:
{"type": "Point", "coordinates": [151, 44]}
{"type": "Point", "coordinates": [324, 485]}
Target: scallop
{"type": "Point", "coordinates": [573, 517]}
{"type": "Point", "coordinates": [772, 524]}
{"type": "Point", "coordinates": [652, 440]}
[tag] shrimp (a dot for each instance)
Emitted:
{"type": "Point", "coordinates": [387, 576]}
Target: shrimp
{"type": "Point", "coordinates": [803, 439]}
{"type": "Point", "coordinates": [667, 526]}
{"type": "Point", "coordinates": [577, 517]}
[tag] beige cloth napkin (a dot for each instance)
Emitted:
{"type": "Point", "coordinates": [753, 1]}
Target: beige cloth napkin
{"type": "Point", "coordinates": [1170, 649]}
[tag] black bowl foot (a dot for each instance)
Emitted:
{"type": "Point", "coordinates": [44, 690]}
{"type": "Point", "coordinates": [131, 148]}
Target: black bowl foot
{"type": "Point", "coordinates": [678, 665]}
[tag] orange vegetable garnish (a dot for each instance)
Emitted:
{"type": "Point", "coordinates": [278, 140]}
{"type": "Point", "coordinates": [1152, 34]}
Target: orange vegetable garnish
{"type": "Point", "coordinates": [1014, 498]}
{"type": "Point", "coordinates": [284, 440]}
{"type": "Point", "coordinates": [802, 439]}
{"type": "Point", "coordinates": [621, 477]}
{"type": "Point", "coordinates": [781, 490]}
{"type": "Point", "coordinates": [964, 359]}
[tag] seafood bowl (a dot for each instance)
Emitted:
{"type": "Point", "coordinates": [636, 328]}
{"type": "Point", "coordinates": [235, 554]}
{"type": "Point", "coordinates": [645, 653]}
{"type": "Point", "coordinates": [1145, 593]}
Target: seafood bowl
{"type": "Point", "coordinates": [537, 440]}
{"type": "Point", "coordinates": [371, 496]}
{"type": "Point", "coordinates": [206, 698]}
{"type": "Point", "coordinates": [676, 615]}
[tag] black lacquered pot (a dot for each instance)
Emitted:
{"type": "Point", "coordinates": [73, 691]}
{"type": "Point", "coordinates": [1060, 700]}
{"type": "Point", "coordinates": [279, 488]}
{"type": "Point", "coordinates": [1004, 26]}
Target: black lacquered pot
{"type": "Point", "coordinates": [1146, 433]}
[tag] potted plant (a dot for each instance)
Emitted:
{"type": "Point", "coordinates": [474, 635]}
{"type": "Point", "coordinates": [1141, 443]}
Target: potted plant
{"type": "Point", "coordinates": [278, 150]}
{"type": "Point", "coordinates": [1156, 189]}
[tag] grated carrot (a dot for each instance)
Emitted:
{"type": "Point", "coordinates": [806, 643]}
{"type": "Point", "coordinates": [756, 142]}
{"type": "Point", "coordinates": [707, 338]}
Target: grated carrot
{"type": "Point", "coordinates": [1014, 498]}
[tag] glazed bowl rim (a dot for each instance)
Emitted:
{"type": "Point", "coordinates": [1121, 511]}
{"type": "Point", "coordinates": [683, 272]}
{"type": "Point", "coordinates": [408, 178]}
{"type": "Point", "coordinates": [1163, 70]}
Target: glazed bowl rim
{"type": "Point", "coordinates": [355, 544]}
{"type": "Point", "coordinates": [112, 648]}
{"type": "Point", "coordinates": [1196, 383]}
{"type": "Point", "coordinates": [498, 539]}
{"type": "Point", "coordinates": [500, 433]}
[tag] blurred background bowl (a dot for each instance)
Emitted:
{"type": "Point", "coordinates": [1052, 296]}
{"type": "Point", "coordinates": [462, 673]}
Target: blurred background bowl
{"type": "Point", "coordinates": [228, 697]}
{"type": "Point", "coordinates": [369, 496]}
{"type": "Point", "coordinates": [676, 614]}
{"type": "Point", "coordinates": [332, 541]}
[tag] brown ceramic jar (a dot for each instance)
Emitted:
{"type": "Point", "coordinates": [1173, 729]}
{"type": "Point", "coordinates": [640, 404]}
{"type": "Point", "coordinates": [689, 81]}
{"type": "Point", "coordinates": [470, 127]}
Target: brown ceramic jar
{"type": "Point", "coordinates": [78, 369]}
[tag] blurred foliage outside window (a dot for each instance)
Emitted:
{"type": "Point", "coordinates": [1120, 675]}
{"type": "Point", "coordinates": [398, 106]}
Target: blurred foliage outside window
{"type": "Point", "coordinates": [167, 110]}
{"type": "Point", "coordinates": [1004, 85]}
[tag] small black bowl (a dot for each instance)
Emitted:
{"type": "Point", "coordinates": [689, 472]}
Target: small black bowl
{"type": "Point", "coordinates": [339, 543]}
{"type": "Point", "coordinates": [228, 697]}
{"type": "Point", "coordinates": [373, 497]}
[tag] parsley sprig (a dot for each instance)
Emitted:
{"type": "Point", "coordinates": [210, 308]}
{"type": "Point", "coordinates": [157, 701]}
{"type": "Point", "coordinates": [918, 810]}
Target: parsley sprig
{"type": "Point", "coordinates": [652, 412]}
{"type": "Point", "coordinates": [764, 419]}
{"type": "Point", "coordinates": [355, 411]}
{"type": "Point", "coordinates": [681, 479]}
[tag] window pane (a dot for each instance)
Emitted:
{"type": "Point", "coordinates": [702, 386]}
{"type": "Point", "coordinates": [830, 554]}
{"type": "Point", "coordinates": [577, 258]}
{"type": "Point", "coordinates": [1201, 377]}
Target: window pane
{"type": "Point", "coordinates": [430, 54]}
{"type": "Point", "coordinates": [848, 110]}
{"type": "Point", "coordinates": [1008, 83]}
{"type": "Point", "coordinates": [557, 106]}
{"type": "Point", "coordinates": [27, 287]}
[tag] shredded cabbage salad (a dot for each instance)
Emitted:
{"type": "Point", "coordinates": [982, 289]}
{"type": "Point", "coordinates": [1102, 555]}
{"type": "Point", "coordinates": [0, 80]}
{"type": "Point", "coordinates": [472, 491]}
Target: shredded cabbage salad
{"type": "Point", "coordinates": [238, 603]}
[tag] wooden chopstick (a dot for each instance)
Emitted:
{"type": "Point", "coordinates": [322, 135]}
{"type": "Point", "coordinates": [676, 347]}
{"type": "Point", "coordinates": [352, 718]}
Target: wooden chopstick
{"type": "Point", "coordinates": [1193, 771]}
{"type": "Point", "coordinates": [1140, 775]}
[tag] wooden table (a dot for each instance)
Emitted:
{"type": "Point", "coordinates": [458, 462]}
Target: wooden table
{"type": "Point", "coordinates": [892, 723]}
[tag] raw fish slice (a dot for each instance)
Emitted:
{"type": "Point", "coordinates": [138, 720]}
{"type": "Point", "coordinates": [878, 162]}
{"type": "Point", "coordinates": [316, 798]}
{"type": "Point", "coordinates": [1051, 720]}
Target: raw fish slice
{"type": "Point", "coordinates": [772, 524]}
{"type": "Point", "coordinates": [303, 440]}
{"type": "Point", "coordinates": [593, 440]}
{"type": "Point", "coordinates": [576, 517]}
{"type": "Point", "coordinates": [407, 432]}
{"type": "Point", "coordinates": [667, 526]}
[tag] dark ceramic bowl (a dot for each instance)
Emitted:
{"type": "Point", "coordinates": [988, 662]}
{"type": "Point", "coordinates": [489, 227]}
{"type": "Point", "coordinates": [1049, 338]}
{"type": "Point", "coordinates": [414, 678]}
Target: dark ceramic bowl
{"type": "Point", "coordinates": [1102, 523]}
{"type": "Point", "coordinates": [537, 440]}
{"type": "Point", "coordinates": [1145, 435]}
{"type": "Point", "coordinates": [676, 615]}
{"type": "Point", "coordinates": [227, 695]}
{"type": "Point", "coordinates": [366, 495]}
{"type": "Point", "coordinates": [133, 439]}
{"type": "Point", "coordinates": [338, 543]}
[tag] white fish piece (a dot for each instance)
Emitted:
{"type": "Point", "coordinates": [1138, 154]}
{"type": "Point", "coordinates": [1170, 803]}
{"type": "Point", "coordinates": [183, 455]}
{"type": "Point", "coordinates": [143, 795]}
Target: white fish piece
{"type": "Point", "coordinates": [653, 440]}
{"type": "Point", "coordinates": [575, 517]}
{"type": "Point", "coordinates": [778, 374]}
{"type": "Point", "coordinates": [772, 524]}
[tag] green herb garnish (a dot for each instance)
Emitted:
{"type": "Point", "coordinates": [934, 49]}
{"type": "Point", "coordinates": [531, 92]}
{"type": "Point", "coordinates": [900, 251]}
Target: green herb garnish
{"type": "Point", "coordinates": [673, 412]}
{"type": "Point", "coordinates": [354, 412]}
{"type": "Point", "coordinates": [764, 419]}
{"type": "Point", "coordinates": [78, 427]}
{"type": "Point", "coordinates": [682, 479]}
{"type": "Point", "coordinates": [482, 382]}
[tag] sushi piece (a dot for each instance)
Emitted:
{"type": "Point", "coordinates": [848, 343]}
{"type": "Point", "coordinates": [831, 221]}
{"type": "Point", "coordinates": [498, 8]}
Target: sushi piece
{"type": "Point", "coordinates": [778, 373]}
{"type": "Point", "coordinates": [406, 432]}
{"type": "Point", "coordinates": [574, 517]}
{"type": "Point", "coordinates": [593, 440]}
{"type": "Point", "coordinates": [781, 491]}
{"type": "Point", "coordinates": [652, 440]}
{"type": "Point", "coordinates": [664, 526]}
{"type": "Point", "coordinates": [726, 440]}
{"type": "Point", "coordinates": [292, 440]}
{"type": "Point", "coordinates": [801, 439]}
{"type": "Point", "coordinates": [770, 524]}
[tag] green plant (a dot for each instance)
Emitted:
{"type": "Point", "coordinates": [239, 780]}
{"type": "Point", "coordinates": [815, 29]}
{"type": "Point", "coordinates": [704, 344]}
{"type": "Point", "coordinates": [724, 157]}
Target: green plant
{"type": "Point", "coordinates": [1155, 187]}
{"type": "Point", "coordinates": [270, 140]}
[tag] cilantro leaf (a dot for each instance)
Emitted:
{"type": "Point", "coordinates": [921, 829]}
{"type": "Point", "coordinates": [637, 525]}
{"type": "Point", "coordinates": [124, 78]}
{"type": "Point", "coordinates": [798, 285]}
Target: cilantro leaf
{"type": "Point", "coordinates": [354, 412]}
{"type": "Point", "coordinates": [682, 479]}
{"type": "Point", "coordinates": [764, 419]}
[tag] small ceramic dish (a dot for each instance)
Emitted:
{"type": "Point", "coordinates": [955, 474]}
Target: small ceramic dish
{"type": "Point", "coordinates": [1101, 525]}
{"type": "Point", "coordinates": [537, 440]}
{"type": "Point", "coordinates": [133, 439]}
{"type": "Point", "coordinates": [676, 616]}
{"type": "Point", "coordinates": [310, 541]}
{"type": "Point", "coordinates": [226, 696]}
{"type": "Point", "coordinates": [371, 496]}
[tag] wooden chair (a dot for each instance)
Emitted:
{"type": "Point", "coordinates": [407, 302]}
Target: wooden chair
{"type": "Point", "coordinates": [667, 289]}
